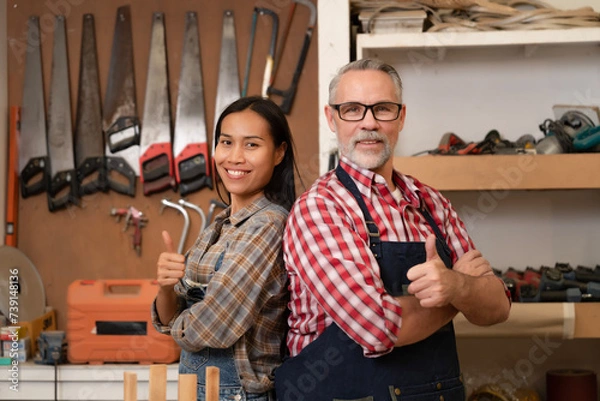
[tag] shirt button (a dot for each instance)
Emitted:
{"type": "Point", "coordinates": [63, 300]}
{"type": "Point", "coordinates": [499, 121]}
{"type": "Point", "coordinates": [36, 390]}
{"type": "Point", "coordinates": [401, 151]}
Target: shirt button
{"type": "Point", "coordinates": [441, 398]}
{"type": "Point", "coordinates": [438, 386]}
{"type": "Point", "coordinates": [237, 397]}
{"type": "Point", "coordinates": [397, 391]}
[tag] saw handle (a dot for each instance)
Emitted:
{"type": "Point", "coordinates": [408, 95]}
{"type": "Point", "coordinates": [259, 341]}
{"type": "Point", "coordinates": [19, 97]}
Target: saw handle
{"type": "Point", "coordinates": [62, 180]}
{"type": "Point", "coordinates": [34, 167]}
{"type": "Point", "coordinates": [87, 168]}
{"type": "Point", "coordinates": [186, 188]}
{"type": "Point", "coordinates": [121, 167]}
{"type": "Point", "coordinates": [123, 133]}
{"type": "Point", "coordinates": [159, 185]}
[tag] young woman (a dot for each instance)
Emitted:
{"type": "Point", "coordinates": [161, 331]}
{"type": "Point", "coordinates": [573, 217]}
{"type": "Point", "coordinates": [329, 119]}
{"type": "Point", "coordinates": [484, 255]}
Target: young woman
{"type": "Point", "coordinates": [225, 301]}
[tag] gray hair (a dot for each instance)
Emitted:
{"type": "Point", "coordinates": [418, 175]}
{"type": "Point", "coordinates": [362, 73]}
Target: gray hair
{"type": "Point", "coordinates": [364, 65]}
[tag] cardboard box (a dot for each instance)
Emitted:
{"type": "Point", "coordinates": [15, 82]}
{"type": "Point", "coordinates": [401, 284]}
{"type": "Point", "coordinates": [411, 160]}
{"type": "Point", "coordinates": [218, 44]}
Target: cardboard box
{"type": "Point", "coordinates": [34, 327]}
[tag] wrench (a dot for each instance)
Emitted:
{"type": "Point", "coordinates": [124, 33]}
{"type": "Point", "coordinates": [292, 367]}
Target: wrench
{"type": "Point", "coordinates": [186, 224]}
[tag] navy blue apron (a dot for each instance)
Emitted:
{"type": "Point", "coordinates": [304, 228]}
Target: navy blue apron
{"type": "Point", "coordinates": [333, 367]}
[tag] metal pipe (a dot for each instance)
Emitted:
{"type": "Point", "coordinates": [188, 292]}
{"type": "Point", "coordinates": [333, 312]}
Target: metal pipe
{"type": "Point", "coordinates": [197, 208]}
{"type": "Point", "coordinates": [186, 225]}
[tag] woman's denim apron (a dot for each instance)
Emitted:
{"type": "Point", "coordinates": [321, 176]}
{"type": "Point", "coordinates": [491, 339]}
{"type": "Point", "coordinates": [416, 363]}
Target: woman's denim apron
{"type": "Point", "coordinates": [334, 368]}
{"type": "Point", "coordinates": [230, 386]}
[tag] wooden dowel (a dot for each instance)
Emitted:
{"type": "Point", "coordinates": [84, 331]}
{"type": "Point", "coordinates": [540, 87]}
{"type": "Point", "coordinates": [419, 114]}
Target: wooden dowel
{"type": "Point", "coordinates": [187, 388]}
{"type": "Point", "coordinates": [212, 383]}
{"type": "Point", "coordinates": [129, 386]}
{"type": "Point", "coordinates": [157, 383]}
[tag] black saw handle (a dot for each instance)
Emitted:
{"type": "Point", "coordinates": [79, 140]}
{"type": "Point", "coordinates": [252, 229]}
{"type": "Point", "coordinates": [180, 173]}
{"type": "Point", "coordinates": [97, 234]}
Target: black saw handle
{"type": "Point", "coordinates": [88, 167]}
{"type": "Point", "coordinates": [35, 167]}
{"type": "Point", "coordinates": [119, 166]}
{"type": "Point", "coordinates": [123, 133]}
{"type": "Point", "coordinates": [60, 181]}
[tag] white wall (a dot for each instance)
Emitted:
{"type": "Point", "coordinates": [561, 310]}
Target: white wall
{"type": "Point", "coordinates": [3, 117]}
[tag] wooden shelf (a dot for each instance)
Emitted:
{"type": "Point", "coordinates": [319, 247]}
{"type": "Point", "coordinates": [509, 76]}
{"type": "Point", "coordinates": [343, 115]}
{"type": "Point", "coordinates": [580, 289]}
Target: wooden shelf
{"type": "Point", "coordinates": [472, 39]}
{"type": "Point", "coordinates": [559, 320]}
{"type": "Point", "coordinates": [504, 172]}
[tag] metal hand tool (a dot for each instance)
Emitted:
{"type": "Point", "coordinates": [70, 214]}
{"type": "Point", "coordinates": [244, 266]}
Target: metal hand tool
{"type": "Point", "coordinates": [190, 144]}
{"type": "Point", "coordinates": [270, 56]}
{"type": "Point", "coordinates": [12, 179]}
{"type": "Point", "coordinates": [214, 204]}
{"type": "Point", "coordinates": [195, 207]}
{"type": "Point", "coordinates": [228, 84]}
{"type": "Point", "coordinates": [33, 149]}
{"type": "Point", "coordinates": [89, 138]}
{"type": "Point", "coordinates": [289, 93]}
{"type": "Point", "coordinates": [156, 160]}
{"type": "Point", "coordinates": [63, 190]}
{"type": "Point", "coordinates": [186, 221]}
{"type": "Point", "coordinates": [120, 123]}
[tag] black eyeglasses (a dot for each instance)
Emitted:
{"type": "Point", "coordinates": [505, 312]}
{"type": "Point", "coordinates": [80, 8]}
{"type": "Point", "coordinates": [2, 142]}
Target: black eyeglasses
{"type": "Point", "coordinates": [354, 111]}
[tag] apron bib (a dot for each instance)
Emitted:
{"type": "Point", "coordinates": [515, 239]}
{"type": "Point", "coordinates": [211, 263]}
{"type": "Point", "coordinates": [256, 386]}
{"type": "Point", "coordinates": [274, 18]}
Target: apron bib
{"type": "Point", "coordinates": [333, 367]}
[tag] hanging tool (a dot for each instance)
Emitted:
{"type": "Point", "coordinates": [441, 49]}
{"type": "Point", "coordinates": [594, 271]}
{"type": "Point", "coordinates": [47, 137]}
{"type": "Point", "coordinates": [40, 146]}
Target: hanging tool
{"type": "Point", "coordinates": [214, 204]}
{"type": "Point", "coordinates": [289, 93]}
{"type": "Point", "coordinates": [12, 179]}
{"type": "Point", "coordinates": [120, 123]}
{"type": "Point", "coordinates": [89, 139]}
{"type": "Point", "coordinates": [63, 190]}
{"type": "Point", "coordinates": [133, 217]}
{"type": "Point", "coordinates": [270, 56]}
{"type": "Point", "coordinates": [195, 207]}
{"type": "Point", "coordinates": [190, 146]}
{"type": "Point", "coordinates": [228, 84]}
{"type": "Point", "coordinates": [156, 160]}
{"type": "Point", "coordinates": [33, 150]}
{"type": "Point", "coordinates": [186, 219]}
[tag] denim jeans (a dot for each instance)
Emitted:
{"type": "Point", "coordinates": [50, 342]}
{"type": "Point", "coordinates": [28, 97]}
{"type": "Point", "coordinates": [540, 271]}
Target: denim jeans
{"type": "Point", "coordinates": [230, 387]}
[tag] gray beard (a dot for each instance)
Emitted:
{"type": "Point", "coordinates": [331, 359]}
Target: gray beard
{"type": "Point", "coordinates": [367, 160]}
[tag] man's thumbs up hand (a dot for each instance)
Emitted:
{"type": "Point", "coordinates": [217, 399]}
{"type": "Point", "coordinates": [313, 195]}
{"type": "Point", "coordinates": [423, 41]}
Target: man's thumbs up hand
{"type": "Point", "coordinates": [432, 283]}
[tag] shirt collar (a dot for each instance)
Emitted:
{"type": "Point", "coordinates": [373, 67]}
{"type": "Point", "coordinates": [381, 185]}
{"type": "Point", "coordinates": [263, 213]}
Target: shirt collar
{"type": "Point", "coordinates": [243, 214]}
{"type": "Point", "coordinates": [367, 179]}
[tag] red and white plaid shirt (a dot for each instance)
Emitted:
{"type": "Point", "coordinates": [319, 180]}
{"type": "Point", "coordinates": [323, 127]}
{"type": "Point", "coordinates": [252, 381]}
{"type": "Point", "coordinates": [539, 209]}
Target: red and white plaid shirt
{"type": "Point", "coordinates": [333, 274]}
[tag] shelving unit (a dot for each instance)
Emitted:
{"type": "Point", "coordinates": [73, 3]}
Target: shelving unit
{"type": "Point", "coordinates": [504, 172]}
{"type": "Point", "coordinates": [365, 43]}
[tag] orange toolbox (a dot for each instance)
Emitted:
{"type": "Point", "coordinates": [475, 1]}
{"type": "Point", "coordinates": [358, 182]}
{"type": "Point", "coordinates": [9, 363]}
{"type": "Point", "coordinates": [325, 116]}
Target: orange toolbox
{"type": "Point", "coordinates": [109, 321]}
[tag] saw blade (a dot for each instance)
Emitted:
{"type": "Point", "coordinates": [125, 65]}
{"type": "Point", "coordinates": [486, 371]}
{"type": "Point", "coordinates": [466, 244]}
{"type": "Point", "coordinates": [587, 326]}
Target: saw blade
{"type": "Point", "coordinates": [228, 84]}
{"type": "Point", "coordinates": [33, 149]}
{"type": "Point", "coordinates": [60, 129]}
{"type": "Point", "coordinates": [120, 122]}
{"type": "Point", "coordinates": [190, 147]}
{"type": "Point", "coordinates": [20, 282]}
{"type": "Point", "coordinates": [89, 140]}
{"type": "Point", "coordinates": [156, 160]}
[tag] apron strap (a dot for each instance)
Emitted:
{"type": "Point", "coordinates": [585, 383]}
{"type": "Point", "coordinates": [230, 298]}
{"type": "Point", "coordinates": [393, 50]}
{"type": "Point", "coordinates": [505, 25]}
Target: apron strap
{"type": "Point", "coordinates": [374, 239]}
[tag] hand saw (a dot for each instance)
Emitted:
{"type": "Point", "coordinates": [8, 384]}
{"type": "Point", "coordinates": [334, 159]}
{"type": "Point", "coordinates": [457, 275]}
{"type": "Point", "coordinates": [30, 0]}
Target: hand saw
{"type": "Point", "coordinates": [89, 142]}
{"type": "Point", "coordinates": [120, 123]}
{"type": "Point", "coordinates": [63, 190]}
{"type": "Point", "coordinates": [190, 141]}
{"type": "Point", "coordinates": [270, 56]}
{"type": "Point", "coordinates": [228, 84]}
{"type": "Point", "coordinates": [156, 160]}
{"type": "Point", "coordinates": [33, 149]}
{"type": "Point", "coordinates": [289, 93]}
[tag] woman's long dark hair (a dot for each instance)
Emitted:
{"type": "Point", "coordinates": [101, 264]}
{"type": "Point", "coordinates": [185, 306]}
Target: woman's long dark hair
{"type": "Point", "coordinates": [281, 188]}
